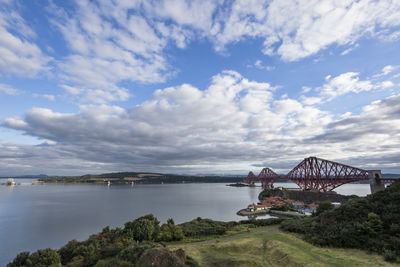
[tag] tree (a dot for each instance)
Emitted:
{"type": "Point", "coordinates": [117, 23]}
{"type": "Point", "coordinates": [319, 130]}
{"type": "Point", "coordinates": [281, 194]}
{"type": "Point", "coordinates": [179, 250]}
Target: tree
{"type": "Point", "coordinates": [20, 260]}
{"type": "Point", "coordinates": [140, 230]}
{"type": "Point", "coordinates": [324, 206]}
{"type": "Point", "coordinates": [44, 257]}
{"type": "Point", "coordinates": [170, 232]}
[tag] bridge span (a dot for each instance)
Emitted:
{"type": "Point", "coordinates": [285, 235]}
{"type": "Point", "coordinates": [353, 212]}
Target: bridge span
{"type": "Point", "coordinates": [322, 175]}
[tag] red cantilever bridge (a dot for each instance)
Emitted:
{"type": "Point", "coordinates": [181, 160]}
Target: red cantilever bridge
{"type": "Point", "coordinates": [317, 174]}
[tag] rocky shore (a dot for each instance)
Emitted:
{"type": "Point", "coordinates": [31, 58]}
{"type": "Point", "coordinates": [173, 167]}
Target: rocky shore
{"type": "Point", "coordinates": [291, 214]}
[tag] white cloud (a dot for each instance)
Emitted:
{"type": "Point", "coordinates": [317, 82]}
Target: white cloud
{"type": "Point", "coordinates": [310, 100]}
{"type": "Point", "coordinates": [110, 46]}
{"type": "Point", "coordinates": [8, 90]}
{"type": "Point", "coordinates": [195, 13]}
{"type": "Point", "coordinates": [344, 84]}
{"type": "Point", "coordinates": [259, 65]}
{"type": "Point", "coordinates": [388, 69]}
{"type": "Point", "coordinates": [185, 129]}
{"type": "Point", "coordinates": [305, 89]}
{"type": "Point", "coordinates": [348, 50]}
{"type": "Point", "coordinates": [179, 126]}
{"type": "Point", "coordinates": [297, 29]}
{"type": "Point", "coordinates": [19, 55]}
{"type": "Point", "coordinates": [46, 96]}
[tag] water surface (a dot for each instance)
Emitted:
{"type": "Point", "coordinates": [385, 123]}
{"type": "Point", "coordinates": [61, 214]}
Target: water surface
{"type": "Point", "coordinates": [49, 215]}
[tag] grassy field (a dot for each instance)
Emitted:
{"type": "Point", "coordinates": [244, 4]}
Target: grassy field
{"type": "Point", "coordinates": [268, 246]}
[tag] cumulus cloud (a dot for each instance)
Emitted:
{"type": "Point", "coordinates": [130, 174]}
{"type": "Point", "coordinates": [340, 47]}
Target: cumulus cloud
{"type": "Point", "coordinates": [379, 121]}
{"type": "Point", "coordinates": [234, 121]}
{"type": "Point", "coordinates": [181, 127]}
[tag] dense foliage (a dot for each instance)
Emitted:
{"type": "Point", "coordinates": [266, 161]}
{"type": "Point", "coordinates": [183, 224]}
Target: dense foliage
{"type": "Point", "coordinates": [324, 206]}
{"type": "Point", "coordinates": [139, 240]}
{"type": "Point", "coordinates": [371, 223]}
{"type": "Point", "coordinates": [204, 227]}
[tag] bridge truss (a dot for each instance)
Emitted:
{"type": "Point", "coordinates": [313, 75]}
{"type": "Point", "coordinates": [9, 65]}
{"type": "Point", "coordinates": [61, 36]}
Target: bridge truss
{"type": "Point", "coordinates": [316, 174]}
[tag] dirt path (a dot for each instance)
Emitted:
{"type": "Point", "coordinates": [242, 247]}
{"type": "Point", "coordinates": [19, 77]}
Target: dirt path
{"type": "Point", "coordinates": [270, 230]}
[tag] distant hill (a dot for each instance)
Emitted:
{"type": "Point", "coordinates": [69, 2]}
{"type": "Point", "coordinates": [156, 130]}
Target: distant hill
{"type": "Point", "coordinates": [390, 175]}
{"type": "Point", "coordinates": [141, 178]}
{"type": "Point", "coordinates": [30, 176]}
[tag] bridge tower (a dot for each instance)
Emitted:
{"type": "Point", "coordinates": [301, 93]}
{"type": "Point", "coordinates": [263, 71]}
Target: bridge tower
{"type": "Point", "coordinates": [375, 181]}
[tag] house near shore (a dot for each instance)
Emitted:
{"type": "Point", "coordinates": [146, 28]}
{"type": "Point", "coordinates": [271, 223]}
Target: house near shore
{"type": "Point", "coordinates": [254, 207]}
{"type": "Point", "coordinates": [308, 209]}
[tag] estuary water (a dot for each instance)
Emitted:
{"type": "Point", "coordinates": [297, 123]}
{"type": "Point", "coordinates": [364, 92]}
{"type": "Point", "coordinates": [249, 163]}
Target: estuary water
{"type": "Point", "coordinates": [37, 216]}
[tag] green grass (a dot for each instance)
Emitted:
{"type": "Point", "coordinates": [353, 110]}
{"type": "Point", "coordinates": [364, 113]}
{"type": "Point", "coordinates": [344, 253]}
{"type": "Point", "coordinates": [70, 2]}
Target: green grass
{"type": "Point", "coordinates": [238, 229]}
{"type": "Point", "coordinates": [272, 247]}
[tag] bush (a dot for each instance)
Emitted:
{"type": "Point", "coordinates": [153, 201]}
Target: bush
{"type": "Point", "coordinates": [263, 222]}
{"type": "Point", "coordinates": [191, 262]}
{"type": "Point", "coordinates": [204, 227]}
{"type": "Point", "coordinates": [114, 263]}
{"type": "Point", "coordinates": [300, 225]}
{"type": "Point", "coordinates": [143, 228]}
{"type": "Point", "coordinates": [389, 255]}
{"type": "Point", "coordinates": [170, 232]}
{"type": "Point", "coordinates": [133, 252]}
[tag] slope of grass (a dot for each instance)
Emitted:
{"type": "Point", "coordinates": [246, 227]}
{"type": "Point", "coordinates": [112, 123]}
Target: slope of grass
{"type": "Point", "coordinates": [272, 247]}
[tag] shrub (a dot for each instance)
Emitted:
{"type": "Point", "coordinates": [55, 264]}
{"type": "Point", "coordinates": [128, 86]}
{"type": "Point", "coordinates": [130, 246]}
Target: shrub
{"type": "Point", "coordinates": [143, 228]}
{"type": "Point", "coordinates": [300, 225]}
{"type": "Point", "coordinates": [203, 227]}
{"type": "Point", "coordinates": [134, 251]}
{"type": "Point", "coordinates": [191, 262]}
{"type": "Point", "coordinates": [389, 255]}
{"type": "Point", "coordinates": [114, 263]}
{"type": "Point", "coordinates": [170, 232]}
{"type": "Point", "coordinates": [263, 222]}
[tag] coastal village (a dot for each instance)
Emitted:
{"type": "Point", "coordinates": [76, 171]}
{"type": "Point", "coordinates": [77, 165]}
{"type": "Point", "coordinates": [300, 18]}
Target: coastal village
{"type": "Point", "coordinates": [280, 206]}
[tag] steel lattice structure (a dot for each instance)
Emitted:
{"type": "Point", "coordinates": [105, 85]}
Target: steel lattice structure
{"type": "Point", "coordinates": [324, 175]}
{"type": "Point", "coordinates": [316, 174]}
{"type": "Point", "coordinates": [251, 178]}
{"type": "Point", "coordinates": [267, 177]}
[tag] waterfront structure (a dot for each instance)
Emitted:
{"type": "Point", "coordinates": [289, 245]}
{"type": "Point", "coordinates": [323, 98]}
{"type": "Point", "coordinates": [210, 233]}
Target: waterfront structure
{"type": "Point", "coordinates": [10, 181]}
{"type": "Point", "coordinates": [322, 175]}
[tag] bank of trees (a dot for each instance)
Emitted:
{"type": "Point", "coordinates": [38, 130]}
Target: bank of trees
{"type": "Point", "coordinates": [135, 242]}
{"type": "Point", "coordinates": [370, 223]}
{"type": "Point", "coordinates": [126, 245]}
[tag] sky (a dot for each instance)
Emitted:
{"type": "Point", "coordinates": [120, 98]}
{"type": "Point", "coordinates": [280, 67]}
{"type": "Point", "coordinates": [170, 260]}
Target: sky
{"type": "Point", "coordinates": [198, 87]}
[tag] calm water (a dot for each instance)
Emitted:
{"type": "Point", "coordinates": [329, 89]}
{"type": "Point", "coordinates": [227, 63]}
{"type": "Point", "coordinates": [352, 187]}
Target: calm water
{"type": "Point", "coordinates": [40, 216]}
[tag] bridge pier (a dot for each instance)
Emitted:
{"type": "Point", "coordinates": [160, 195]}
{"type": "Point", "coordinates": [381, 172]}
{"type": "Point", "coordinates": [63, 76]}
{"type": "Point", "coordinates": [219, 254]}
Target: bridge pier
{"type": "Point", "coordinates": [375, 181]}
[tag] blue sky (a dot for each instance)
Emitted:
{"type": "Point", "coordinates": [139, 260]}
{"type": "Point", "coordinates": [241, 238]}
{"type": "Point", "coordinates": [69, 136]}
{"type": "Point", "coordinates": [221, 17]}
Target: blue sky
{"type": "Point", "coordinates": [197, 86]}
